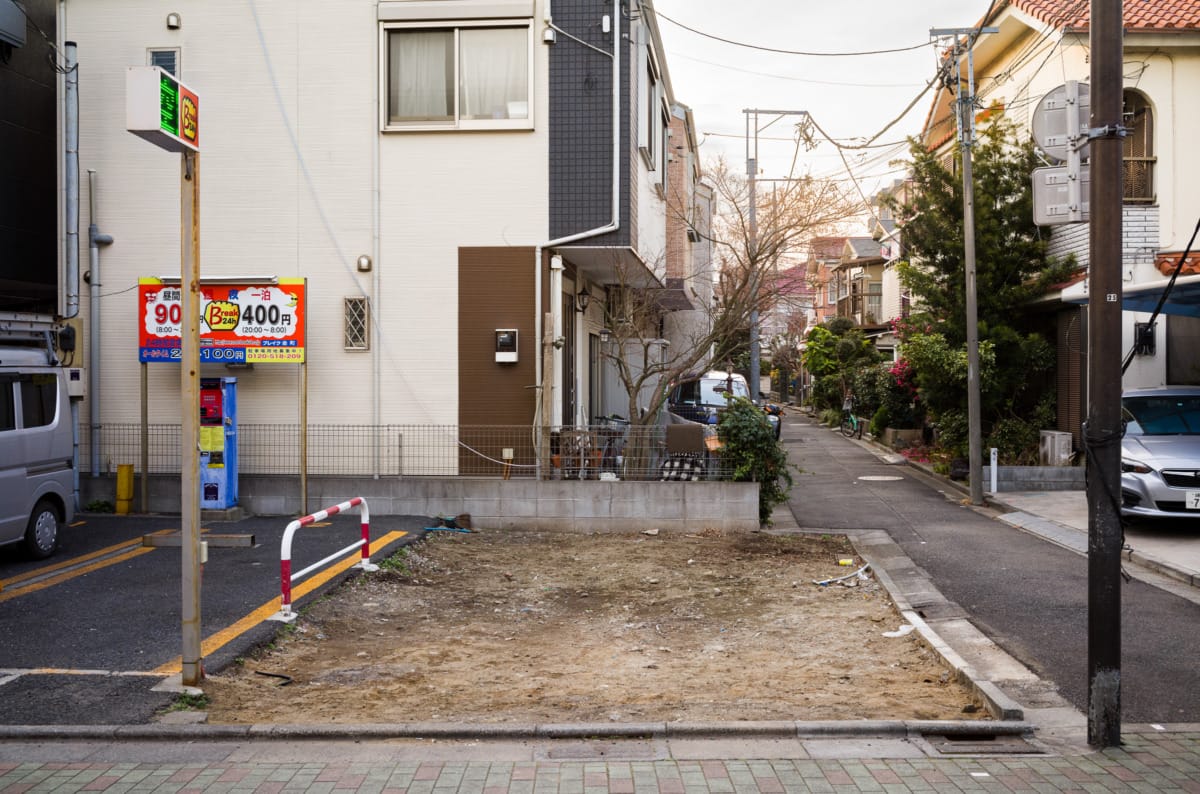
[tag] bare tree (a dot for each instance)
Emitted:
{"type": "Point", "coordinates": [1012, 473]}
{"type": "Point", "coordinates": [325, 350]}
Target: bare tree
{"type": "Point", "coordinates": [742, 280]}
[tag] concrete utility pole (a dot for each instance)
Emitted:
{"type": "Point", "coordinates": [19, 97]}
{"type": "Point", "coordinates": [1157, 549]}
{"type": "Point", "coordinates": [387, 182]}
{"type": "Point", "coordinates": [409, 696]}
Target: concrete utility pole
{"type": "Point", "coordinates": [966, 139]}
{"type": "Point", "coordinates": [1102, 433]}
{"type": "Point", "coordinates": [752, 246]}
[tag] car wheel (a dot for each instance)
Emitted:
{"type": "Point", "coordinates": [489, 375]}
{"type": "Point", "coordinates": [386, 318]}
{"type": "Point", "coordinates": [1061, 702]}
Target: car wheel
{"type": "Point", "coordinates": [41, 535]}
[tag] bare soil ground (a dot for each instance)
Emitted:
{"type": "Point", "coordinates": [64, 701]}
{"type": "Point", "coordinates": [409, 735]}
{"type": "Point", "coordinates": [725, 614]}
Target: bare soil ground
{"type": "Point", "coordinates": [516, 626]}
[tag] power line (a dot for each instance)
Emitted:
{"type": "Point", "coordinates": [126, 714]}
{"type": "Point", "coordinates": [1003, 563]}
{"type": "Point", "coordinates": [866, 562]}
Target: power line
{"type": "Point", "coordinates": [789, 77]}
{"type": "Point", "coordinates": [661, 15]}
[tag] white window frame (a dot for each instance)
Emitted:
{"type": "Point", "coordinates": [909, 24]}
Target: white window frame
{"type": "Point", "coordinates": [653, 113]}
{"type": "Point", "coordinates": [457, 124]}
{"type": "Point", "coordinates": [178, 57]}
{"type": "Point", "coordinates": [356, 311]}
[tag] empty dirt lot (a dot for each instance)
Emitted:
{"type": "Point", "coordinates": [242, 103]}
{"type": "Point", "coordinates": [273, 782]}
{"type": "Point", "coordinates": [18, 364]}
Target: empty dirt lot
{"type": "Point", "coordinates": [513, 626]}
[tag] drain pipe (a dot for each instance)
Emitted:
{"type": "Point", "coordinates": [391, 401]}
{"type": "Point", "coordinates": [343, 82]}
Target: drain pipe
{"type": "Point", "coordinates": [71, 183]}
{"type": "Point", "coordinates": [95, 240]}
{"type": "Point", "coordinates": [612, 226]}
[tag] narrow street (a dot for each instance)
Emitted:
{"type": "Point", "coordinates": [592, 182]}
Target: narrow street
{"type": "Point", "coordinates": [1026, 594]}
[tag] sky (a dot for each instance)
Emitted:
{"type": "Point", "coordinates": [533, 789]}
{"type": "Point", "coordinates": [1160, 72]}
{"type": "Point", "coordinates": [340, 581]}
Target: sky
{"type": "Point", "coordinates": [851, 97]}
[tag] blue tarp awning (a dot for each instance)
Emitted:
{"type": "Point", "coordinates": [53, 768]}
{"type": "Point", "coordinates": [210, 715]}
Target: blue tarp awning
{"type": "Point", "coordinates": [1184, 298]}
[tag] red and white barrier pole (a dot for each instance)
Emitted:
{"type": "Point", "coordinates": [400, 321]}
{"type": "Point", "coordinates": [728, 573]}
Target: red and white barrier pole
{"type": "Point", "coordinates": [286, 577]}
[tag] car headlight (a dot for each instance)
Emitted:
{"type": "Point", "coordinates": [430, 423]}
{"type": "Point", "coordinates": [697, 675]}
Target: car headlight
{"type": "Point", "coordinates": [1129, 466]}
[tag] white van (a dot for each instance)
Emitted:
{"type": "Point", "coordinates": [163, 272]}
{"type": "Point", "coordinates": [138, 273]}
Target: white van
{"type": "Point", "coordinates": [37, 476]}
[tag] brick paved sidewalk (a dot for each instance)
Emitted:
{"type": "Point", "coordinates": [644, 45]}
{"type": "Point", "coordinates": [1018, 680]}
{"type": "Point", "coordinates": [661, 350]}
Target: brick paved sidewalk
{"type": "Point", "coordinates": [1149, 761]}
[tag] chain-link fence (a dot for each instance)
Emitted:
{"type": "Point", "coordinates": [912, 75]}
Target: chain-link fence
{"type": "Point", "coordinates": [609, 450]}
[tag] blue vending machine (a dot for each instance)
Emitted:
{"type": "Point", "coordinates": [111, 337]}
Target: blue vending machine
{"type": "Point", "coordinates": [218, 444]}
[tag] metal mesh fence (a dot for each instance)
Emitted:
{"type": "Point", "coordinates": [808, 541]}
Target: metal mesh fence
{"type": "Point", "coordinates": [603, 451]}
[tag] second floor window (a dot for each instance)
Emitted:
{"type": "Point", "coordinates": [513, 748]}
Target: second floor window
{"type": "Point", "coordinates": [459, 77]}
{"type": "Point", "coordinates": [1138, 146]}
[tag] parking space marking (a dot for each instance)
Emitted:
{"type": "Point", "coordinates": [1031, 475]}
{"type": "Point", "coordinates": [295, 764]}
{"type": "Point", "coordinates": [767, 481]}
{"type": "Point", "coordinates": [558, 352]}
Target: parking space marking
{"type": "Point", "coordinates": [216, 641]}
{"type": "Point", "coordinates": [41, 578]}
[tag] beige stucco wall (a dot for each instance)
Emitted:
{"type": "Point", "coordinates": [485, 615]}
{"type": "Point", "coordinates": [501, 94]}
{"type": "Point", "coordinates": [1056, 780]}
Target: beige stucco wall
{"type": "Point", "coordinates": [291, 161]}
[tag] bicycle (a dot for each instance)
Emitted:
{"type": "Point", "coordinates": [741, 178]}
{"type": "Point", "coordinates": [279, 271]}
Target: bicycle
{"type": "Point", "coordinates": [612, 432]}
{"type": "Point", "coordinates": [851, 426]}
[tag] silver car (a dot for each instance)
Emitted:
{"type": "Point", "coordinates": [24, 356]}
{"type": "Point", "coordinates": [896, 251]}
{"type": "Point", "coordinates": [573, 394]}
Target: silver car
{"type": "Point", "coordinates": [1160, 453]}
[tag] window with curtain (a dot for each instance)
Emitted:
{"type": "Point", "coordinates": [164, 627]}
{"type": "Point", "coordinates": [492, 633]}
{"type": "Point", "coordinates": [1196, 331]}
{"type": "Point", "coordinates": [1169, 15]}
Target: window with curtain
{"type": "Point", "coordinates": [462, 77]}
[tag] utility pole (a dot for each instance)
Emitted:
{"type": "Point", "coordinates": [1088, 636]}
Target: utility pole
{"type": "Point", "coordinates": [1102, 433]}
{"type": "Point", "coordinates": [752, 246]}
{"type": "Point", "coordinates": [966, 139]}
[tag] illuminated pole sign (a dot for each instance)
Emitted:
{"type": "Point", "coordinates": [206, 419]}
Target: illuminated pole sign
{"type": "Point", "coordinates": [161, 109]}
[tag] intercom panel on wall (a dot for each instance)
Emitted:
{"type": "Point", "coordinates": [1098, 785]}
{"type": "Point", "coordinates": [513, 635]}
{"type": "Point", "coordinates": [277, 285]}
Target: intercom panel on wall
{"type": "Point", "coordinates": [506, 345]}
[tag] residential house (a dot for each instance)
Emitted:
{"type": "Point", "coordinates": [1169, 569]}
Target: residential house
{"type": "Point", "coordinates": [824, 254]}
{"type": "Point", "coordinates": [444, 174]}
{"type": "Point", "coordinates": [859, 278]}
{"type": "Point", "coordinates": [1040, 45]}
{"type": "Point", "coordinates": [895, 299]}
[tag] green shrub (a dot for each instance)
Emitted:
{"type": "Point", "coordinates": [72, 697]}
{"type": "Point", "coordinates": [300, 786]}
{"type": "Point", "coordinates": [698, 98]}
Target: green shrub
{"type": "Point", "coordinates": [749, 448]}
{"type": "Point", "coordinates": [880, 421]}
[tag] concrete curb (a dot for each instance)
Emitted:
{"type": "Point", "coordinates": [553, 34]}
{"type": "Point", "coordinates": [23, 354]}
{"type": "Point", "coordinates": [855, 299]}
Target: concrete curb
{"type": "Point", "coordinates": [999, 705]}
{"type": "Point", "coordinates": [516, 732]}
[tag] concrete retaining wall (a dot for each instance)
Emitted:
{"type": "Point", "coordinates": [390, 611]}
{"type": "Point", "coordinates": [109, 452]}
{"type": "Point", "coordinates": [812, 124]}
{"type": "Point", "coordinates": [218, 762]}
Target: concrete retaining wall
{"type": "Point", "coordinates": [583, 506]}
{"type": "Point", "coordinates": [1035, 478]}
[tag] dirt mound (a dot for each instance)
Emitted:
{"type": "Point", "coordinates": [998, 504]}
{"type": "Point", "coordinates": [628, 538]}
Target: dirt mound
{"type": "Point", "coordinates": [513, 626]}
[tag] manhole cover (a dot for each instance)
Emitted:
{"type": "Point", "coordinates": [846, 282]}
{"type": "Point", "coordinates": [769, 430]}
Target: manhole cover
{"type": "Point", "coordinates": [981, 745]}
{"type": "Point", "coordinates": [880, 478]}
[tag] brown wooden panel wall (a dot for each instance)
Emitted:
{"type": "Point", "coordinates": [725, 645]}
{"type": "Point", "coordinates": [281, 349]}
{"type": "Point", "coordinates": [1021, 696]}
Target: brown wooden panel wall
{"type": "Point", "coordinates": [495, 290]}
{"type": "Point", "coordinates": [1072, 371]}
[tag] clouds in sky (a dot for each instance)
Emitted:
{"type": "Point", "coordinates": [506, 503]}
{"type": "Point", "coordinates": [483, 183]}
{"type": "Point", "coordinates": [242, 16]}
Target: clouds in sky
{"type": "Point", "coordinates": [851, 97]}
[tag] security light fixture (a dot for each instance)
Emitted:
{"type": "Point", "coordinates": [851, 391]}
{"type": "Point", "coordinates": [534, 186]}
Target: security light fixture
{"type": "Point", "coordinates": [363, 263]}
{"type": "Point", "coordinates": [174, 22]}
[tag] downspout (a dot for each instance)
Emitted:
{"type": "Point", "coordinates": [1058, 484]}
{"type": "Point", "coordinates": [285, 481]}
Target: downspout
{"type": "Point", "coordinates": [71, 186]}
{"type": "Point", "coordinates": [612, 226]}
{"type": "Point", "coordinates": [376, 281]}
{"type": "Point", "coordinates": [95, 240]}
{"type": "Point", "coordinates": [70, 308]}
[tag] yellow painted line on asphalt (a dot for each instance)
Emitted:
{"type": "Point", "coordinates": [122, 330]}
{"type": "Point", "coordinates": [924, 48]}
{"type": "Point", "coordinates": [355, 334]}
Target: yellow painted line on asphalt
{"type": "Point", "coordinates": [72, 568]}
{"type": "Point", "coordinates": [58, 566]}
{"type": "Point", "coordinates": [214, 642]}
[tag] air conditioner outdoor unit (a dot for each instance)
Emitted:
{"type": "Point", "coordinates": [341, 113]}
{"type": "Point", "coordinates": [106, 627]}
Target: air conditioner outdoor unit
{"type": "Point", "coordinates": [1055, 448]}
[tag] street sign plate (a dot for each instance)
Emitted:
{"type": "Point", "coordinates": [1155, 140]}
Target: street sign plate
{"type": "Point", "coordinates": [1052, 201]}
{"type": "Point", "coordinates": [1054, 124]}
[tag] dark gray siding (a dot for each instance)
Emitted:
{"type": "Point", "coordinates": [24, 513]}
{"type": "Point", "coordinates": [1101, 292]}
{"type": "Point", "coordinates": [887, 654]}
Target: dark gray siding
{"type": "Point", "coordinates": [29, 170]}
{"type": "Point", "coordinates": [581, 124]}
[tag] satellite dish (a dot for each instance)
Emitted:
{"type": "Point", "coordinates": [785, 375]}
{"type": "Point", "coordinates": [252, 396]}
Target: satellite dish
{"type": "Point", "coordinates": [1061, 118]}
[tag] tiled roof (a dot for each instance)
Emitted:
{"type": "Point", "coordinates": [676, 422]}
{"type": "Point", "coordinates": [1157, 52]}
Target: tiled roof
{"type": "Point", "coordinates": [1141, 15]}
{"type": "Point", "coordinates": [864, 247]}
{"type": "Point", "coordinates": [828, 247]}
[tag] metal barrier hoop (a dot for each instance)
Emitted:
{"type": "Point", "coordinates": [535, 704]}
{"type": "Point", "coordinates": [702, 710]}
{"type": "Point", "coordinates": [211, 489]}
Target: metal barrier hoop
{"type": "Point", "coordinates": [286, 577]}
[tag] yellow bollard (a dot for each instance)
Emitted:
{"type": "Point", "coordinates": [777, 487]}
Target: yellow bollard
{"type": "Point", "coordinates": [124, 488]}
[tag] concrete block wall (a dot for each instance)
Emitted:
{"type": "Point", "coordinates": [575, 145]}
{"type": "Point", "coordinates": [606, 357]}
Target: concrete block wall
{"type": "Point", "coordinates": [1035, 478]}
{"type": "Point", "coordinates": [566, 505]}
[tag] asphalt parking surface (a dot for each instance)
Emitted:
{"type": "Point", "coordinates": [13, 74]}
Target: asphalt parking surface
{"type": "Point", "coordinates": [91, 631]}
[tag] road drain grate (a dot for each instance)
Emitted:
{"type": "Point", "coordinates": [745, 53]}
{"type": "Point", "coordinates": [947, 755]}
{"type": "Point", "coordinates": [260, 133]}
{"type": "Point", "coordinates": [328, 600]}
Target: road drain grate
{"type": "Point", "coordinates": [981, 744]}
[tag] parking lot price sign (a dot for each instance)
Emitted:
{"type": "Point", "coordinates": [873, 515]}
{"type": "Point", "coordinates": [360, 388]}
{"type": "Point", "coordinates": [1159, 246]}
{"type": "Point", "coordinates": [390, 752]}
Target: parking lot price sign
{"type": "Point", "coordinates": [239, 323]}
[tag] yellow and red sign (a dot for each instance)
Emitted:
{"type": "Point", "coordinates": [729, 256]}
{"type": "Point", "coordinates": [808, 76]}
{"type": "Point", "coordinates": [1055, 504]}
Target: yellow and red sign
{"type": "Point", "coordinates": [161, 109]}
{"type": "Point", "coordinates": [239, 323]}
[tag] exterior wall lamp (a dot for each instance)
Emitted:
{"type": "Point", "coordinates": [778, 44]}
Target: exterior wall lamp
{"type": "Point", "coordinates": [582, 299]}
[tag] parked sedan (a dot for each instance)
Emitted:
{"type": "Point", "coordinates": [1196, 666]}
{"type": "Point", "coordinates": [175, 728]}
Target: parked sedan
{"type": "Point", "coordinates": [1160, 453]}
